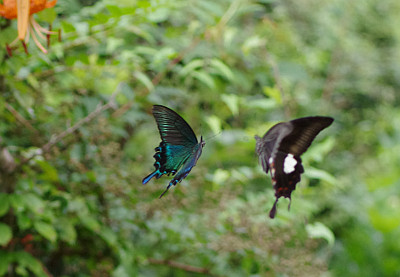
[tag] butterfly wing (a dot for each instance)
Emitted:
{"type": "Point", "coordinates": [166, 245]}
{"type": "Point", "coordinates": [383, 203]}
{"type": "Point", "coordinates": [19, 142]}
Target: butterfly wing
{"type": "Point", "coordinates": [187, 166]}
{"type": "Point", "coordinates": [174, 130]}
{"type": "Point", "coordinates": [304, 131]}
{"type": "Point", "coordinates": [280, 149]}
{"type": "Point", "coordinates": [288, 148]}
{"type": "Point", "coordinates": [266, 146]}
{"type": "Point", "coordinates": [178, 148]}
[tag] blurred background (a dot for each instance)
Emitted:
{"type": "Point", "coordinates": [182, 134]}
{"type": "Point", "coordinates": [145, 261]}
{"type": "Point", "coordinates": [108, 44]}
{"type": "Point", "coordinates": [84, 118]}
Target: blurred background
{"type": "Point", "coordinates": [77, 137]}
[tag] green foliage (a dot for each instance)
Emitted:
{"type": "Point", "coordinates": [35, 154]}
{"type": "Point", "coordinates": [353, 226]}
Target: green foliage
{"type": "Point", "coordinates": [71, 199]}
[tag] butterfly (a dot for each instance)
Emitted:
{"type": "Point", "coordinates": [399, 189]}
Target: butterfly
{"type": "Point", "coordinates": [178, 150]}
{"type": "Point", "coordinates": [280, 148]}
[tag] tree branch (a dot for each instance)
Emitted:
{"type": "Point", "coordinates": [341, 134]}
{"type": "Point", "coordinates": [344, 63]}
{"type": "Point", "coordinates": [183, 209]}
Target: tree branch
{"type": "Point", "coordinates": [184, 267]}
{"type": "Point", "coordinates": [7, 162]}
{"type": "Point", "coordinates": [57, 138]}
{"type": "Point", "coordinates": [21, 119]}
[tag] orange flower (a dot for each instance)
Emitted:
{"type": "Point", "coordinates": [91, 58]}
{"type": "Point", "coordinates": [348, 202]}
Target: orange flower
{"type": "Point", "coordinates": [23, 10]}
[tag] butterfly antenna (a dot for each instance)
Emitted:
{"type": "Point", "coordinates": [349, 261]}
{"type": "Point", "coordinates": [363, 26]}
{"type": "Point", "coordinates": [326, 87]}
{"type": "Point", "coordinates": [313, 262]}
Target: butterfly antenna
{"type": "Point", "coordinates": [217, 134]}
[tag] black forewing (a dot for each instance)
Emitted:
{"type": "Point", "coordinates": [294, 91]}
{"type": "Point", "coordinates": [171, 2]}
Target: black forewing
{"type": "Point", "coordinates": [174, 130]}
{"type": "Point", "coordinates": [304, 130]}
{"type": "Point", "coordinates": [268, 144]}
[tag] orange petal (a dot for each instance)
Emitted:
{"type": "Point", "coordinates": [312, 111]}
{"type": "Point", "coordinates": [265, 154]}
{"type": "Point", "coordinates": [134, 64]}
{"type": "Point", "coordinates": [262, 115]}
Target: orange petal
{"type": "Point", "coordinates": [51, 4]}
{"type": "Point", "coordinates": [23, 17]}
{"type": "Point", "coordinates": [2, 10]}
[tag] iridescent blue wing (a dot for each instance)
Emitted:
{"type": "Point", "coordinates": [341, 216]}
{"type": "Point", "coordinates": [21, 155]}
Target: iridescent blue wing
{"type": "Point", "coordinates": [280, 149]}
{"type": "Point", "coordinates": [178, 148]}
{"type": "Point", "coordinates": [187, 166]}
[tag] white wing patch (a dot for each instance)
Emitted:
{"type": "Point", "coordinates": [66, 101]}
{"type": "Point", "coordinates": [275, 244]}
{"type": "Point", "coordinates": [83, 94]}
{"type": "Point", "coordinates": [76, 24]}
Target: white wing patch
{"type": "Point", "coordinates": [272, 167]}
{"type": "Point", "coordinates": [289, 164]}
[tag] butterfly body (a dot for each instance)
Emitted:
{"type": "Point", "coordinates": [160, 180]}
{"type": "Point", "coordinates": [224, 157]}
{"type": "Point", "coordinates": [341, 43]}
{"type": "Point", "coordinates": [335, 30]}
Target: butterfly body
{"type": "Point", "coordinates": [279, 152]}
{"type": "Point", "coordinates": [179, 149]}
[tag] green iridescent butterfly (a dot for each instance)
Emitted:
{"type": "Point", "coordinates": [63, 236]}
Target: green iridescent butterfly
{"type": "Point", "coordinates": [179, 149]}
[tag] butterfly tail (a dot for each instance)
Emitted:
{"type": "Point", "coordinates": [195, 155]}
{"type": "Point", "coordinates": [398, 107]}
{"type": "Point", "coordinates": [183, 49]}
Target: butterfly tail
{"type": "Point", "coordinates": [165, 191]}
{"type": "Point", "coordinates": [272, 213]}
{"type": "Point", "coordinates": [151, 175]}
{"type": "Point", "coordinates": [172, 183]}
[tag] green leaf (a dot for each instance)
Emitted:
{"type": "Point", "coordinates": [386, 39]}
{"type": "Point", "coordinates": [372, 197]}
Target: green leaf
{"type": "Point", "coordinates": [5, 260]}
{"type": "Point", "coordinates": [113, 44]}
{"type": "Point", "coordinates": [4, 203]}
{"type": "Point", "coordinates": [67, 27]}
{"type": "Point", "coordinates": [215, 123]}
{"type": "Point", "coordinates": [205, 78]}
{"type": "Point", "coordinates": [263, 104]}
{"type": "Point", "coordinates": [21, 271]}
{"type": "Point", "coordinates": [319, 230]}
{"type": "Point", "coordinates": [47, 15]}
{"type": "Point", "coordinates": [109, 236]}
{"type": "Point", "coordinates": [23, 97]}
{"type": "Point", "coordinates": [25, 260]}
{"type": "Point", "coordinates": [46, 230]}
{"type": "Point", "coordinates": [144, 80]}
{"type": "Point", "coordinates": [159, 15]}
{"type": "Point", "coordinates": [24, 221]}
{"type": "Point", "coordinates": [220, 177]}
{"type": "Point", "coordinates": [319, 151]}
{"type": "Point", "coordinates": [320, 174]}
{"type": "Point", "coordinates": [273, 93]}
{"type": "Point", "coordinates": [67, 231]}
{"type": "Point", "coordinates": [82, 28]}
{"type": "Point", "coordinates": [17, 202]}
{"type": "Point", "coordinates": [294, 72]}
{"type": "Point", "coordinates": [384, 218]}
{"type": "Point", "coordinates": [385, 178]}
{"type": "Point", "coordinates": [5, 234]}
{"type": "Point", "coordinates": [253, 42]}
{"type": "Point", "coordinates": [34, 203]}
{"type": "Point", "coordinates": [222, 68]}
{"type": "Point", "coordinates": [90, 223]}
{"type": "Point", "coordinates": [49, 172]}
{"type": "Point", "coordinates": [144, 50]}
{"type": "Point", "coordinates": [232, 101]}
{"type": "Point", "coordinates": [190, 67]}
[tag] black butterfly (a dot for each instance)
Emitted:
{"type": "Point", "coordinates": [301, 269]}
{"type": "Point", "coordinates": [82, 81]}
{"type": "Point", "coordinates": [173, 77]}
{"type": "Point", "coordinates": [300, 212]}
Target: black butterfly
{"type": "Point", "coordinates": [179, 147]}
{"type": "Point", "coordinates": [280, 148]}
